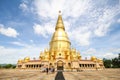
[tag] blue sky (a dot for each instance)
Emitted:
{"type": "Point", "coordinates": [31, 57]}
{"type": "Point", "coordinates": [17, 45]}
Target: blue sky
{"type": "Point", "coordinates": [26, 27]}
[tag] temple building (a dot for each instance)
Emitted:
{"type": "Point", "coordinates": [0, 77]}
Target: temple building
{"type": "Point", "coordinates": [60, 55]}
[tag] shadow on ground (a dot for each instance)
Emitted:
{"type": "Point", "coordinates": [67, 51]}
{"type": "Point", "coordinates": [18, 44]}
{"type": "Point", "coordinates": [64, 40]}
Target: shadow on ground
{"type": "Point", "coordinates": [59, 76]}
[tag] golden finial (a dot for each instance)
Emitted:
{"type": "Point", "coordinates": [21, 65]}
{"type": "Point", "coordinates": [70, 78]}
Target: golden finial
{"type": "Point", "coordinates": [59, 12]}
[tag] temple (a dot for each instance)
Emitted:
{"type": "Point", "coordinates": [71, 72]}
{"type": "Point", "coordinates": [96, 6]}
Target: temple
{"type": "Point", "coordinates": [60, 55]}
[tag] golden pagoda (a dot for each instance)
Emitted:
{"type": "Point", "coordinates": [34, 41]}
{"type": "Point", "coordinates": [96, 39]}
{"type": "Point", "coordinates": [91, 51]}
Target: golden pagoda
{"type": "Point", "coordinates": [60, 55]}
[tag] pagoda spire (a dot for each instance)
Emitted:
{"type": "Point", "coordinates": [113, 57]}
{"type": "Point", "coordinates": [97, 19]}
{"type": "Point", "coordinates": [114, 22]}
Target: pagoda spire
{"type": "Point", "coordinates": [59, 24]}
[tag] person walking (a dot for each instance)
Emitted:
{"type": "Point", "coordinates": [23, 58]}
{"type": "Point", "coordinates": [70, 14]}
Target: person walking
{"type": "Point", "coordinates": [53, 69]}
{"type": "Point", "coordinates": [47, 69]}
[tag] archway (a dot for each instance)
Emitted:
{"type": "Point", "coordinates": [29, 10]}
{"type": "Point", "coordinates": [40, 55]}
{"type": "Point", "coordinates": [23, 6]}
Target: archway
{"type": "Point", "coordinates": [60, 65]}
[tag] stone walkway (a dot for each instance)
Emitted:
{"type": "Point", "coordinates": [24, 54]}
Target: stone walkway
{"type": "Point", "coordinates": [93, 75]}
{"type": "Point", "coordinates": [107, 74]}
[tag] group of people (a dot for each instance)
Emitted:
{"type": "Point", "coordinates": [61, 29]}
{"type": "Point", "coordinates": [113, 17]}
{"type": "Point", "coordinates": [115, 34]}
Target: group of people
{"type": "Point", "coordinates": [48, 69]}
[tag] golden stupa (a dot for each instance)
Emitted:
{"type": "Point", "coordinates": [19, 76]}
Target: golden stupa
{"type": "Point", "coordinates": [60, 54]}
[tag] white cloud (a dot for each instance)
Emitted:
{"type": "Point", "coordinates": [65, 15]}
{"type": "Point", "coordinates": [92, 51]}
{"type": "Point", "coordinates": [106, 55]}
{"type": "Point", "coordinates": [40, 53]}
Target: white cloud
{"type": "Point", "coordinates": [1, 47]}
{"type": "Point", "coordinates": [110, 55]}
{"type": "Point", "coordinates": [76, 14]}
{"type": "Point", "coordinates": [90, 51]}
{"type": "Point", "coordinates": [107, 53]}
{"type": "Point", "coordinates": [67, 25]}
{"type": "Point", "coordinates": [23, 6]}
{"type": "Point", "coordinates": [18, 44]}
{"type": "Point", "coordinates": [116, 50]}
{"type": "Point", "coordinates": [69, 8]}
{"type": "Point", "coordinates": [19, 53]}
{"type": "Point", "coordinates": [118, 20]}
{"type": "Point", "coordinates": [10, 32]}
{"type": "Point", "coordinates": [105, 20]}
{"type": "Point", "coordinates": [31, 41]}
{"type": "Point", "coordinates": [38, 29]}
{"type": "Point", "coordinates": [44, 30]}
{"type": "Point", "coordinates": [80, 35]}
{"type": "Point", "coordinates": [102, 29]}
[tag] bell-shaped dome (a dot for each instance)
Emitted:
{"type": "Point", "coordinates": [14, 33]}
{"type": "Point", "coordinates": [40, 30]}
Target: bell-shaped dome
{"type": "Point", "coordinates": [26, 59]}
{"type": "Point", "coordinates": [100, 60]}
{"type": "Point", "coordinates": [60, 38]}
{"type": "Point", "coordinates": [93, 58]}
{"type": "Point", "coordinates": [60, 35]}
{"type": "Point", "coordinates": [20, 61]}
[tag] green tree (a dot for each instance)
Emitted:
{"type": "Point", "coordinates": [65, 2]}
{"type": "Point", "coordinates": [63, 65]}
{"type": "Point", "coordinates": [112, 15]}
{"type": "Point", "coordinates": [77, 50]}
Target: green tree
{"type": "Point", "coordinates": [107, 63]}
{"type": "Point", "coordinates": [119, 56]}
{"type": "Point", "coordinates": [14, 66]}
{"type": "Point", "coordinates": [112, 63]}
{"type": "Point", "coordinates": [119, 60]}
{"type": "Point", "coordinates": [115, 63]}
{"type": "Point", "coordinates": [0, 66]}
{"type": "Point", "coordinates": [8, 66]}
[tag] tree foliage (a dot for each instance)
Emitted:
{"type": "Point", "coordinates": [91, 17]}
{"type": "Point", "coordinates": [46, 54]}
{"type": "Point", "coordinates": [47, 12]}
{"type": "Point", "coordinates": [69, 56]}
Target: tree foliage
{"type": "Point", "coordinates": [7, 66]}
{"type": "Point", "coordinates": [112, 63]}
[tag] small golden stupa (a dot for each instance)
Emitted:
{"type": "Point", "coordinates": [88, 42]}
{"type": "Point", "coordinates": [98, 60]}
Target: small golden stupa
{"type": "Point", "coordinates": [60, 55]}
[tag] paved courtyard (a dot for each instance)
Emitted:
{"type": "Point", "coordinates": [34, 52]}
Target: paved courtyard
{"type": "Point", "coordinates": [13, 74]}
